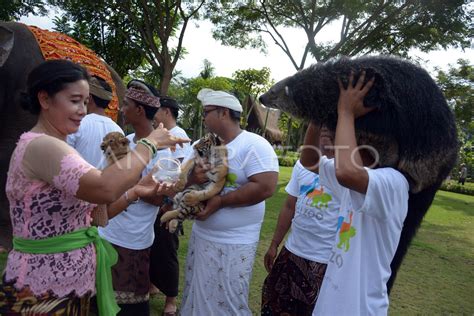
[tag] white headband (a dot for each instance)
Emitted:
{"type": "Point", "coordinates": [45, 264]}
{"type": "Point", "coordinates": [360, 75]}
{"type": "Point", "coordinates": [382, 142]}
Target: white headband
{"type": "Point", "coordinates": [219, 98]}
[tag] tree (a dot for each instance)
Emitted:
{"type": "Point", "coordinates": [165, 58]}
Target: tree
{"type": "Point", "coordinates": [207, 69]}
{"type": "Point", "coordinates": [458, 88]}
{"type": "Point", "coordinates": [250, 83]}
{"type": "Point", "coordinates": [12, 10]}
{"type": "Point", "coordinates": [104, 30]}
{"type": "Point", "coordinates": [383, 26]}
{"type": "Point", "coordinates": [148, 26]}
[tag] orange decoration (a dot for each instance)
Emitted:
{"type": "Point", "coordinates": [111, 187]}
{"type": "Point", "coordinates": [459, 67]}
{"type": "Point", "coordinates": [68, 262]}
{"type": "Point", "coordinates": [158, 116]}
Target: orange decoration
{"type": "Point", "coordinates": [55, 45]}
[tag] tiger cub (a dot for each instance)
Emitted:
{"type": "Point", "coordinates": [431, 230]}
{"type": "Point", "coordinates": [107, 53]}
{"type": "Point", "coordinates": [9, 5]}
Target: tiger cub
{"type": "Point", "coordinates": [189, 202]}
{"type": "Point", "coordinates": [115, 146]}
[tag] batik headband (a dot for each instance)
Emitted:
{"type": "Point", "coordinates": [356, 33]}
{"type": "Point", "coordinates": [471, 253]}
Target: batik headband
{"type": "Point", "coordinates": [143, 97]}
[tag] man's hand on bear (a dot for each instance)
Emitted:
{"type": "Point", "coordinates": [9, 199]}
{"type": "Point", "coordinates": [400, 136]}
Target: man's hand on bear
{"type": "Point", "coordinates": [351, 100]}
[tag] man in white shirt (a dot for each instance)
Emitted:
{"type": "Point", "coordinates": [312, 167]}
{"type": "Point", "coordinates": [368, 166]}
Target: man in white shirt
{"type": "Point", "coordinates": [224, 238]}
{"type": "Point", "coordinates": [131, 232]}
{"type": "Point", "coordinates": [164, 265]}
{"type": "Point", "coordinates": [295, 277]}
{"type": "Point", "coordinates": [95, 125]}
{"type": "Point", "coordinates": [374, 204]}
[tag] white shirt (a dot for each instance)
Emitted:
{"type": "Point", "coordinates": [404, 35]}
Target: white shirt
{"type": "Point", "coordinates": [313, 228]}
{"type": "Point", "coordinates": [133, 228]}
{"type": "Point", "coordinates": [368, 232]}
{"type": "Point", "coordinates": [186, 150]}
{"type": "Point", "coordinates": [89, 136]}
{"type": "Point", "coordinates": [248, 154]}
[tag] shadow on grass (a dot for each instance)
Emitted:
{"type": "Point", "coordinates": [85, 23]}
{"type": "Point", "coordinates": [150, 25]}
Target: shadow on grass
{"type": "Point", "coordinates": [455, 203]}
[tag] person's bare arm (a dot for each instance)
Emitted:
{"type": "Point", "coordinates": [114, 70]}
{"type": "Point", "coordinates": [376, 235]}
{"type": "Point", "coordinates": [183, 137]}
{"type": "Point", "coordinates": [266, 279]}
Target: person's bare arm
{"type": "Point", "coordinates": [107, 186]}
{"type": "Point", "coordinates": [283, 225]}
{"type": "Point", "coordinates": [146, 190]}
{"type": "Point", "coordinates": [260, 187]}
{"type": "Point", "coordinates": [310, 152]}
{"type": "Point", "coordinates": [350, 172]}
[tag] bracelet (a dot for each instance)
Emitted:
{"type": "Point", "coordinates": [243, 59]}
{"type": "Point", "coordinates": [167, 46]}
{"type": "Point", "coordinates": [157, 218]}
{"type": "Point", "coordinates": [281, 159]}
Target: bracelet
{"type": "Point", "coordinates": [125, 195]}
{"type": "Point", "coordinates": [149, 144]}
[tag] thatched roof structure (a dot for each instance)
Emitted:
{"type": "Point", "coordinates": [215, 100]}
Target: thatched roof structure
{"type": "Point", "coordinates": [261, 114]}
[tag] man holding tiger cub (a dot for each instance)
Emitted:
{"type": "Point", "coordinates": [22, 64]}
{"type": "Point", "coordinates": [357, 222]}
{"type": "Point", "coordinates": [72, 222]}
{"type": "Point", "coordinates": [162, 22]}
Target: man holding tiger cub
{"type": "Point", "coordinates": [224, 238]}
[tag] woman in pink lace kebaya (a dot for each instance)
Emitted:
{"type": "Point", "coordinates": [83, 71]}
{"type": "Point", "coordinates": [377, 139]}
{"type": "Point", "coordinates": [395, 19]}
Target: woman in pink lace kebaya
{"type": "Point", "coordinates": [52, 191]}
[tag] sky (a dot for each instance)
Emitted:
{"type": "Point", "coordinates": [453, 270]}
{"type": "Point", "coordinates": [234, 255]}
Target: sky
{"type": "Point", "coordinates": [226, 60]}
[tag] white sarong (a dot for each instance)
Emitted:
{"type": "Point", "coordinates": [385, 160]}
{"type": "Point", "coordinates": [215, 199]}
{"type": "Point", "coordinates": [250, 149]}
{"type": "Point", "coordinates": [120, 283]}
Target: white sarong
{"type": "Point", "coordinates": [217, 278]}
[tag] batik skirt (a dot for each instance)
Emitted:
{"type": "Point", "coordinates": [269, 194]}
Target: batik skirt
{"type": "Point", "coordinates": [15, 302]}
{"type": "Point", "coordinates": [130, 276]}
{"type": "Point", "coordinates": [292, 286]}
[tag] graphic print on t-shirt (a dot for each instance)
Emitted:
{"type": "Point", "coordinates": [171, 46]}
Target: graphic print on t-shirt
{"type": "Point", "coordinates": [346, 232]}
{"type": "Point", "coordinates": [230, 180]}
{"type": "Point", "coordinates": [319, 198]}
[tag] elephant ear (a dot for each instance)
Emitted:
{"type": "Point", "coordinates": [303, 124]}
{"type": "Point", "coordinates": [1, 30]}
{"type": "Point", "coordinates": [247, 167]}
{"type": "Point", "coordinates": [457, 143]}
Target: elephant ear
{"type": "Point", "coordinates": [7, 39]}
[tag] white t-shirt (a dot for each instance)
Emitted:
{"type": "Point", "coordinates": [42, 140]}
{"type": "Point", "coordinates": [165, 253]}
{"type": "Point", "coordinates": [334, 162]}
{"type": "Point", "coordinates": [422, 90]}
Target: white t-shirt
{"type": "Point", "coordinates": [186, 150]}
{"type": "Point", "coordinates": [248, 154]}
{"type": "Point", "coordinates": [133, 228]}
{"type": "Point", "coordinates": [313, 228]}
{"type": "Point", "coordinates": [89, 136]}
{"type": "Point", "coordinates": [368, 232]}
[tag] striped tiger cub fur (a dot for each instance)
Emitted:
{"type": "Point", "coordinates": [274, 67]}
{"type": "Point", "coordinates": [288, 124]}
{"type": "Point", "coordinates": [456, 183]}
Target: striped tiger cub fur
{"type": "Point", "coordinates": [191, 200]}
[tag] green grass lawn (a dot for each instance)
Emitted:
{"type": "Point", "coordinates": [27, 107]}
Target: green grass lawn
{"type": "Point", "coordinates": [437, 275]}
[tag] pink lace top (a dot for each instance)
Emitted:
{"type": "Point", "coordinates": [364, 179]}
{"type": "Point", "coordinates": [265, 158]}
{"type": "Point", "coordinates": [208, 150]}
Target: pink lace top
{"type": "Point", "coordinates": [38, 210]}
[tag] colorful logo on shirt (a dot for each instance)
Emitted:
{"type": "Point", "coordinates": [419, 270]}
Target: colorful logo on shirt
{"type": "Point", "coordinates": [346, 232]}
{"type": "Point", "coordinates": [231, 180]}
{"type": "Point", "coordinates": [319, 198]}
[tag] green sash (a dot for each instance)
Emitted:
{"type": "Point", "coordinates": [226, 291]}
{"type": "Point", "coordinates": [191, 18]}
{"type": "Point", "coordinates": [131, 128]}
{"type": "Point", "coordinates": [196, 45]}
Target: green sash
{"type": "Point", "coordinates": [106, 258]}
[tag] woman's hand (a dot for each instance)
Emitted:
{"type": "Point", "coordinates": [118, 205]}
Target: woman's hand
{"type": "Point", "coordinates": [351, 100]}
{"type": "Point", "coordinates": [162, 138]}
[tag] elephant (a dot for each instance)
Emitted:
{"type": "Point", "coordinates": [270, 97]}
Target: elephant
{"type": "Point", "coordinates": [19, 54]}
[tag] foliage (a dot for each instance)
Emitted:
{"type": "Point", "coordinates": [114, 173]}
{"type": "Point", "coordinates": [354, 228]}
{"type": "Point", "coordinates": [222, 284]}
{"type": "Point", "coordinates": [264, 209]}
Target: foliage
{"type": "Point", "coordinates": [12, 10]}
{"type": "Point", "coordinates": [250, 83]}
{"type": "Point", "coordinates": [103, 28]}
{"type": "Point", "coordinates": [208, 70]}
{"type": "Point", "coordinates": [293, 130]}
{"type": "Point", "coordinates": [150, 30]}
{"type": "Point", "coordinates": [385, 26]}
{"type": "Point", "coordinates": [458, 88]}
{"type": "Point", "coordinates": [454, 186]}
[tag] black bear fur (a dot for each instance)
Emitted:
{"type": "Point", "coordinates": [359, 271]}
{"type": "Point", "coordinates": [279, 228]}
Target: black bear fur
{"type": "Point", "coordinates": [413, 129]}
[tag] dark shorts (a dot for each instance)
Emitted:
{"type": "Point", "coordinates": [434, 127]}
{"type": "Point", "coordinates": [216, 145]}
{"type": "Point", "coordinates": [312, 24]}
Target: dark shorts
{"type": "Point", "coordinates": [292, 286]}
{"type": "Point", "coordinates": [164, 265]}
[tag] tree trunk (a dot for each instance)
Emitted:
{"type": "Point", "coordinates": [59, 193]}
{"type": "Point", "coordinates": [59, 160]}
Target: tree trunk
{"type": "Point", "coordinates": [288, 137]}
{"type": "Point", "coordinates": [166, 78]}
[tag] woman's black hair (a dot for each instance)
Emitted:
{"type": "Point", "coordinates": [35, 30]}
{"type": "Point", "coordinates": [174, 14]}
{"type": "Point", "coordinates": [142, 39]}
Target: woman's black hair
{"type": "Point", "coordinates": [50, 76]}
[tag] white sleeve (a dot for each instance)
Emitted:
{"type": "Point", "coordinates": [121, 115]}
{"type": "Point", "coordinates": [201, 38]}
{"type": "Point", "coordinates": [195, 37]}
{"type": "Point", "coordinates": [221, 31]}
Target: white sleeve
{"type": "Point", "coordinates": [293, 188]}
{"type": "Point", "coordinates": [327, 177]}
{"type": "Point", "coordinates": [72, 139]}
{"type": "Point", "coordinates": [387, 192]}
{"type": "Point", "coordinates": [260, 157]}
